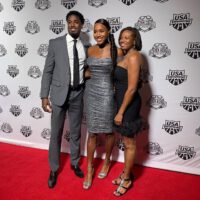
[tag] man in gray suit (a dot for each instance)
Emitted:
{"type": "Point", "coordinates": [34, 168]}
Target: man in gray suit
{"type": "Point", "coordinates": [58, 82]}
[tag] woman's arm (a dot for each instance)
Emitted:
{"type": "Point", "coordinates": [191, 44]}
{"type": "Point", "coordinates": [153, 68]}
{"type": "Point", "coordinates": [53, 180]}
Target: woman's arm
{"type": "Point", "coordinates": [87, 73]}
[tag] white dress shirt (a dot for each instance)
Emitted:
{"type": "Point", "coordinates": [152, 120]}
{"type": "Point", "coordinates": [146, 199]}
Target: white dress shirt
{"type": "Point", "coordinates": [81, 55]}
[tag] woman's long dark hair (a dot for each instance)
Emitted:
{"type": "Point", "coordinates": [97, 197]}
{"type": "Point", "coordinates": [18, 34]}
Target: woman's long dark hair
{"type": "Point", "coordinates": [111, 39]}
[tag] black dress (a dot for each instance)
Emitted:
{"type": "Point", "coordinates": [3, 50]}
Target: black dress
{"type": "Point", "coordinates": [132, 122]}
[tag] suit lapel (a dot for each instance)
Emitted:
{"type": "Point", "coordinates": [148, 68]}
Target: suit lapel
{"type": "Point", "coordinates": [64, 49]}
{"type": "Point", "coordinates": [64, 52]}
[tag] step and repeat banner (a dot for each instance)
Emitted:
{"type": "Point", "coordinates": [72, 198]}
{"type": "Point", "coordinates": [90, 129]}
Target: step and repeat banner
{"type": "Point", "coordinates": [170, 30]}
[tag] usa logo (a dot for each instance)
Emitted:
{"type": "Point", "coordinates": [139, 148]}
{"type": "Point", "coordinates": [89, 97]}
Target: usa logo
{"type": "Point", "coordinates": [32, 27]}
{"type": "Point", "coordinates": [193, 50]}
{"type": "Point", "coordinates": [172, 127]}
{"type": "Point", "coordinates": [9, 27]}
{"type": "Point", "coordinates": [36, 113]}
{"type": "Point", "coordinates": [12, 70]}
{"type": "Point", "coordinates": [161, 1]}
{"type": "Point", "coordinates": [115, 24]}
{"type": "Point", "coordinates": [21, 50]}
{"type": "Point", "coordinates": [24, 91]}
{"type": "Point", "coordinates": [128, 2]}
{"type": "Point", "coordinates": [181, 21]}
{"type": "Point", "coordinates": [43, 50]}
{"type": "Point", "coordinates": [120, 145]}
{"type": "Point", "coordinates": [4, 91]}
{"type": "Point", "coordinates": [87, 27]}
{"type": "Point", "coordinates": [97, 3]}
{"type": "Point", "coordinates": [1, 7]}
{"type": "Point", "coordinates": [57, 26]}
{"type": "Point", "coordinates": [34, 72]}
{"type": "Point", "coordinates": [1, 110]}
{"type": "Point", "coordinates": [18, 5]}
{"type": "Point", "coordinates": [3, 50]}
{"type": "Point", "coordinates": [197, 131]}
{"type": "Point", "coordinates": [157, 102]}
{"type": "Point", "coordinates": [185, 152]}
{"type": "Point", "coordinates": [67, 136]}
{"type": "Point", "coordinates": [176, 77]}
{"type": "Point", "coordinates": [46, 133]}
{"type": "Point", "coordinates": [190, 103]}
{"type": "Point", "coordinates": [26, 131]}
{"type": "Point", "coordinates": [159, 50]}
{"type": "Point", "coordinates": [153, 148]}
{"type": "Point", "coordinates": [68, 3]}
{"type": "Point", "coordinates": [6, 128]}
{"type": "Point", "coordinates": [42, 4]}
{"type": "Point", "coordinates": [145, 23]}
{"type": "Point", "coordinates": [15, 110]}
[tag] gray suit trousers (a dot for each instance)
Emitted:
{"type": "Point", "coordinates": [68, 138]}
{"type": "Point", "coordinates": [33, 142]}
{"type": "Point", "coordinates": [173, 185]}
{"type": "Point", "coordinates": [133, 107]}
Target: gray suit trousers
{"type": "Point", "coordinates": [74, 107]}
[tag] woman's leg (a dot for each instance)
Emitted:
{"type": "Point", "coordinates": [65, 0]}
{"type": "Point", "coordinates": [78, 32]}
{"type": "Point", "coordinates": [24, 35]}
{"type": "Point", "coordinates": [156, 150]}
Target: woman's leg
{"type": "Point", "coordinates": [91, 146]}
{"type": "Point", "coordinates": [129, 157]}
{"type": "Point", "coordinates": [110, 141]}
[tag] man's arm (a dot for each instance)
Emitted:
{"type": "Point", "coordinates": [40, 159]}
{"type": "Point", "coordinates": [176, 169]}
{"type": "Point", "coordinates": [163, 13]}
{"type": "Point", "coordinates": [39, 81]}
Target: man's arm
{"type": "Point", "coordinates": [47, 78]}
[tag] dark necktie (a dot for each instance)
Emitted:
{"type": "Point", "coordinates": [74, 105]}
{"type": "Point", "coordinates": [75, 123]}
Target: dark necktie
{"type": "Point", "coordinates": [76, 65]}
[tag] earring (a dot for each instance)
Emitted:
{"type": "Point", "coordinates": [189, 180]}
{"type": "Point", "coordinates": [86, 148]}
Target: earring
{"type": "Point", "coordinates": [134, 44]}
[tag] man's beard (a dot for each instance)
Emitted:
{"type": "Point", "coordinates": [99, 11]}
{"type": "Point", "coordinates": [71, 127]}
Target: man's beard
{"type": "Point", "coordinates": [75, 35]}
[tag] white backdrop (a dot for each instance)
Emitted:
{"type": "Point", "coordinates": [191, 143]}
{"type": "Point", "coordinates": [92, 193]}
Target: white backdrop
{"type": "Point", "coordinates": [170, 31]}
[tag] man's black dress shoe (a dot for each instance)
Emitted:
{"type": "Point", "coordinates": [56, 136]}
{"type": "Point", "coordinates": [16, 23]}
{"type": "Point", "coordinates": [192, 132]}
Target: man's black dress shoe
{"type": "Point", "coordinates": [52, 179]}
{"type": "Point", "coordinates": [77, 171]}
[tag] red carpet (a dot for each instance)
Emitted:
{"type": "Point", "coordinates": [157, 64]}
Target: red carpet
{"type": "Point", "coordinates": [24, 173]}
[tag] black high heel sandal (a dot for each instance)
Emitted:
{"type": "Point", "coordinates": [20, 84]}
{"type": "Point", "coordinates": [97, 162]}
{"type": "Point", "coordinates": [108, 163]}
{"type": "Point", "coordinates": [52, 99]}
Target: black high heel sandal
{"type": "Point", "coordinates": [117, 191]}
{"type": "Point", "coordinates": [115, 181]}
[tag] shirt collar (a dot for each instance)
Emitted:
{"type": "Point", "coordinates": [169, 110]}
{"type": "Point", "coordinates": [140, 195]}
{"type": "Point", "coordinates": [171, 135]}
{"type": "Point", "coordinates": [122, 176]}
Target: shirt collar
{"type": "Point", "coordinates": [70, 38]}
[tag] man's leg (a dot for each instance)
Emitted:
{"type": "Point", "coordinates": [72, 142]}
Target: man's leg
{"type": "Point", "coordinates": [75, 110]}
{"type": "Point", "coordinates": [57, 123]}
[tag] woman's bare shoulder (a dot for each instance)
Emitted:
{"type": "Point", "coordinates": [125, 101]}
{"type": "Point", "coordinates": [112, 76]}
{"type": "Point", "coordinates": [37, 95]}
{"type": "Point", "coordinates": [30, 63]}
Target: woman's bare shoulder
{"type": "Point", "coordinates": [134, 58]}
{"type": "Point", "coordinates": [134, 55]}
{"type": "Point", "coordinates": [92, 49]}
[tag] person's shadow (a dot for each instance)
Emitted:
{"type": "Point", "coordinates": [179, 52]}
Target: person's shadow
{"type": "Point", "coordinates": [142, 139]}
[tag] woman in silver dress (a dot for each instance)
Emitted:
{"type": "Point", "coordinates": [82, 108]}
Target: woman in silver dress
{"type": "Point", "coordinates": [99, 96]}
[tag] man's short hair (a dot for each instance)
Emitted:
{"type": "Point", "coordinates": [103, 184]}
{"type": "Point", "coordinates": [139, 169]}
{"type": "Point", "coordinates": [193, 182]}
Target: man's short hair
{"type": "Point", "coordinates": [78, 14]}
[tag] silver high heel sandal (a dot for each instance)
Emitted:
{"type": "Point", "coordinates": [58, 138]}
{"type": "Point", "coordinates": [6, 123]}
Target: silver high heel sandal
{"type": "Point", "coordinates": [103, 175]}
{"type": "Point", "coordinates": [88, 184]}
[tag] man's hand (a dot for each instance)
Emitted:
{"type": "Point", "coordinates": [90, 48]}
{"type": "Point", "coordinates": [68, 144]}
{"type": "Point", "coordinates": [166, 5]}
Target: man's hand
{"type": "Point", "coordinates": [46, 105]}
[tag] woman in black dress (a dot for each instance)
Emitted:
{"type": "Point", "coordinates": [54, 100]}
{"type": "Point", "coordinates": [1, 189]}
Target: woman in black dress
{"type": "Point", "coordinates": [127, 119]}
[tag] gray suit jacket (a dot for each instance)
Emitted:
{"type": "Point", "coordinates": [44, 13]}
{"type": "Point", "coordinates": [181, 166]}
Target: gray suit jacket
{"type": "Point", "coordinates": [56, 74]}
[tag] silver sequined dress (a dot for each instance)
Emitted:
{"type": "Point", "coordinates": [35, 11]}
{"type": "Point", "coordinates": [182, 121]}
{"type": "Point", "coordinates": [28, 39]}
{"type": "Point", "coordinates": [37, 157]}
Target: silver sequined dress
{"type": "Point", "coordinates": [99, 96]}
